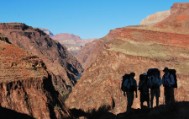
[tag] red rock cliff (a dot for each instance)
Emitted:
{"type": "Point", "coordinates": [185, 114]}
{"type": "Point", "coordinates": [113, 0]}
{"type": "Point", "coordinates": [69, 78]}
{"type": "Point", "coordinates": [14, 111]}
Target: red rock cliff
{"type": "Point", "coordinates": [129, 49]}
{"type": "Point", "coordinates": [178, 21]}
{"type": "Point", "coordinates": [26, 85]}
{"type": "Point", "coordinates": [58, 60]}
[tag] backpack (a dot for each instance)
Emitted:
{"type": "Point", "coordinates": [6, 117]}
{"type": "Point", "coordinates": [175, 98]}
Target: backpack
{"type": "Point", "coordinates": [143, 82]}
{"type": "Point", "coordinates": [173, 72]}
{"type": "Point", "coordinates": [128, 84]}
{"type": "Point", "coordinates": [154, 81]}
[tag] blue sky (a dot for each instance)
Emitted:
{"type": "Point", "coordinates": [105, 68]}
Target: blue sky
{"type": "Point", "coordinates": [86, 18]}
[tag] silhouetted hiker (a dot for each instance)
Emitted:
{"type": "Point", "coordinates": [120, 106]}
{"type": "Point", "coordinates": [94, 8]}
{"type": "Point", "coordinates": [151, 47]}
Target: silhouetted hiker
{"type": "Point", "coordinates": [129, 85]}
{"type": "Point", "coordinates": [169, 82]}
{"type": "Point", "coordinates": [144, 90]}
{"type": "Point", "coordinates": [154, 82]}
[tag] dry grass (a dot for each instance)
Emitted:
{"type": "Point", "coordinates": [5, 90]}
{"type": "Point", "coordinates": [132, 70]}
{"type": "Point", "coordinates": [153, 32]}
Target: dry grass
{"type": "Point", "coordinates": [142, 49]}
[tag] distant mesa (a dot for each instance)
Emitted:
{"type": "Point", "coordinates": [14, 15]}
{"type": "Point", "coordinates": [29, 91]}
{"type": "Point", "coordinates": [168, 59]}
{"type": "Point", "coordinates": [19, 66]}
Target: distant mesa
{"type": "Point", "coordinates": [73, 42]}
{"type": "Point", "coordinates": [66, 36]}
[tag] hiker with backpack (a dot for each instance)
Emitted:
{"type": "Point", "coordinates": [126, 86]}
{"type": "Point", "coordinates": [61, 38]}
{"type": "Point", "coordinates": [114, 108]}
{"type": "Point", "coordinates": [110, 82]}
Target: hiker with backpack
{"type": "Point", "coordinates": [144, 90]}
{"type": "Point", "coordinates": [129, 86]}
{"type": "Point", "coordinates": [169, 82]}
{"type": "Point", "coordinates": [154, 83]}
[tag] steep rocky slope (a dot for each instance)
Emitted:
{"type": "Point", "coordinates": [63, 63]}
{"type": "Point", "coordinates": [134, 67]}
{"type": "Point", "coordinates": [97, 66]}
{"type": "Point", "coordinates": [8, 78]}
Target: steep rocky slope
{"type": "Point", "coordinates": [72, 42]}
{"type": "Point", "coordinates": [58, 60]}
{"type": "Point", "coordinates": [26, 85]}
{"type": "Point", "coordinates": [88, 54]}
{"type": "Point", "coordinates": [178, 21]}
{"type": "Point", "coordinates": [129, 49]}
{"type": "Point", "coordinates": [155, 18]}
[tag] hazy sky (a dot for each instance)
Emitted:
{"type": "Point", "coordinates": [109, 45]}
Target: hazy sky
{"type": "Point", "coordinates": [86, 18]}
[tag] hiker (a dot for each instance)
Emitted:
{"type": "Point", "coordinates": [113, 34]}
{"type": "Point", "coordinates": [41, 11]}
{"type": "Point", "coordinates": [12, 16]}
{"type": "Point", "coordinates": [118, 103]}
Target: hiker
{"type": "Point", "coordinates": [144, 90]}
{"type": "Point", "coordinates": [154, 82]}
{"type": "Point", "coordinates": [129, 85]}
{"type": "Point", "coordinates": [169, 83]}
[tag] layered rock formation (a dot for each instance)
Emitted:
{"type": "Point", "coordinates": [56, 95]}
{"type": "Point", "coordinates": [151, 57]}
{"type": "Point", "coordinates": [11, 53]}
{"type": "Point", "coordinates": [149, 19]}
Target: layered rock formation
{"type": "Point", "coordinates": [72, 42]}
{"type": "Point", "coordinates": [65, 68]}
{"type": "Point", "coordinates": [129, 49]}
{"type": "Point", "coordinates": [26, 85]}
{"type": "Point", "coordinates": [155, 18]}
{"type": "Point", "coordinates": [178, 21]}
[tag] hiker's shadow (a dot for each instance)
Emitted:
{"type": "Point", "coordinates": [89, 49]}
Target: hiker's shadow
{"type": "Point", "coordinates": [102, 113]}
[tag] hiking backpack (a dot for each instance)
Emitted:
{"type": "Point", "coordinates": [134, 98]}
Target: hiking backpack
{"type": "Point", "coordinates": [143, 82]}
{"type": "Point", "coordinates": [173, 72]}
{"type": "Point", "coordinates": [128, 84]}
{"type": "Point", "coordinates": [154, 81]}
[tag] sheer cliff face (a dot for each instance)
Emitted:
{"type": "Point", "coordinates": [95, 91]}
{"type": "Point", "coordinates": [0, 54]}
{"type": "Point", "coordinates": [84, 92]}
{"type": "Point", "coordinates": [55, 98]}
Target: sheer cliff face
{"type": "Point", "coordinates": [26, 85]}
{"type": "Point", "coordinates": [125, 50]}
{"type": "Point", "coordinates": [62, 64]}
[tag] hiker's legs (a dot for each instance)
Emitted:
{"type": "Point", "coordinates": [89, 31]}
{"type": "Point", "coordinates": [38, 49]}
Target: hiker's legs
{"type": "Point", "coordinates": [168, 95]}
{"type": "Point", "coordinates": [128, 101]}
{"type": "Point", "coordinates": [148, 103]}
{"type": "Point", "coordinates": [130, 97]}
{"type": "Point", "coordinates": [152, 98]}
{"type": "Point", "coordinates": [157, 101]}
{"type": "Point", "coordinates": [141, 99]}
{"type": "Point", "coordinates": [157, 96]}
{"type": "Point", "coordinates": [147, 99]}
{"type": "Point", "coordinates": [172, 97]}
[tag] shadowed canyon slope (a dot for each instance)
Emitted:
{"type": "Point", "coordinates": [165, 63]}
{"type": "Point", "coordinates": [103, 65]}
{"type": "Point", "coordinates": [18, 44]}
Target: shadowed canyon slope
{"type": "Point", "coordinates": [26, 85]}
{"type": "Point", "coordinates": [179, 110]}
{"type": "Point", "coordinates": [136, 49]}
{"type": "Point", "coordinates": [58, 60]}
